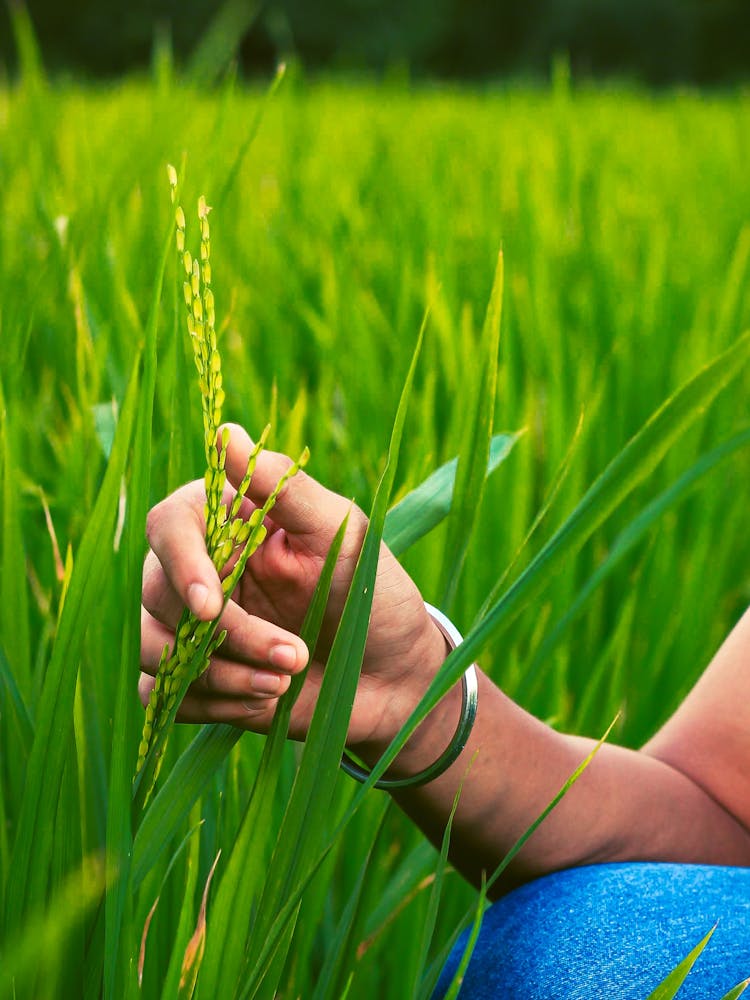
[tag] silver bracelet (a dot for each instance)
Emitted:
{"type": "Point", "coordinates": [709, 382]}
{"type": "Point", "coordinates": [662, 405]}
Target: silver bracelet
{"type": "Point", "coordinates": [461, 735]}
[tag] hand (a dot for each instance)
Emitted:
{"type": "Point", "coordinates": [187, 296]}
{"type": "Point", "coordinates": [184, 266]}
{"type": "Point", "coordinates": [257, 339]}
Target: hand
{"type": "Point", "coordinates": [262, 649]}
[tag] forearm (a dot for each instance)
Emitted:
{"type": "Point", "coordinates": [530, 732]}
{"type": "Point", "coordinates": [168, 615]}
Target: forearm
{"type": "Point", "coordinates": [625, 806]}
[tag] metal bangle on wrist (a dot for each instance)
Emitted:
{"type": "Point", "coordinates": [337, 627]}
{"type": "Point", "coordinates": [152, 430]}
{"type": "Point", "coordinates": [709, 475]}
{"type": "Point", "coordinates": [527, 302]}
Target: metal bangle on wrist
{"type": "Point", "coordinates": [463, 729]}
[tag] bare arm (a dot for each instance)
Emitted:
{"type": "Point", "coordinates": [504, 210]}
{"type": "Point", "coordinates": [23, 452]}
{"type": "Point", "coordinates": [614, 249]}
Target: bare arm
{"type": "Point", "coordinates": [682, 798]}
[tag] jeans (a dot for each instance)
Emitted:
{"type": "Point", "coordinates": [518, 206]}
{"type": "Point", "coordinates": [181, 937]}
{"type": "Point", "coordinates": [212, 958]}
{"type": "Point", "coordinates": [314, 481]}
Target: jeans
{"type": "Point", "coordinates": [612, 931]}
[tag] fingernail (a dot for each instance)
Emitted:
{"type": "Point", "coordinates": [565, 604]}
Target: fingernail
{"type": "Point", "coordinates": [266, 683]}
{"type": "Point", "coordinates": [197, 595]}
{"type": "Point", "coordinates": [284, 657]}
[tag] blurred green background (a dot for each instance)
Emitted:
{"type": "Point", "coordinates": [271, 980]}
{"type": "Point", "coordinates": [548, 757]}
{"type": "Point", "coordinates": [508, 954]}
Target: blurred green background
{"type": "Point", "coordinates": [656, 41]}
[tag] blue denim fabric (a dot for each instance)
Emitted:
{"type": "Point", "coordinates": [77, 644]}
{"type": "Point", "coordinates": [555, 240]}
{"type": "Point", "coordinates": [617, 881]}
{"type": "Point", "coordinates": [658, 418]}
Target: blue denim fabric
{"type": "Point", "coordinates": [611, 931]}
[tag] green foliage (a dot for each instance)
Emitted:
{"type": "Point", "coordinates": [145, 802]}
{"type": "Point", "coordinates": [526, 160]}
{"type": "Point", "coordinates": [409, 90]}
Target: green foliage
{"type": "Point", "coordinates": [346, 215]}
{"type": "Point", "coordinates": [670, 986]}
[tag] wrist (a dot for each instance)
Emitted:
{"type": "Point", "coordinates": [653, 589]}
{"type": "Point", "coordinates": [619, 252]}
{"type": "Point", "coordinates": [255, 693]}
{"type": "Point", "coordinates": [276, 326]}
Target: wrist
{"type": "Point", "coordinates": [426, 656]}
{"type": "Point", "coordinates": [441, 736]}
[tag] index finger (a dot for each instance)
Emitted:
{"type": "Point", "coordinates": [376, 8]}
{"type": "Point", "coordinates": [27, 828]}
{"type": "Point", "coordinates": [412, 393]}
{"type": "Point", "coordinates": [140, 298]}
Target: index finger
{"type": "Point", "coordinates": [175, 529]}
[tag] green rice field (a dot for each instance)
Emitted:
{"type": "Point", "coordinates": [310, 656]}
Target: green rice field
{"type": "Point", "coordinates": [341, 211]}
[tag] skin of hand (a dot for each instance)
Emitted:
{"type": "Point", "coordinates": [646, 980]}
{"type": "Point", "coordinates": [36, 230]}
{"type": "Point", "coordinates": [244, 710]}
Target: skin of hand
{"type": "Point", "coordinates": [262, 649]}
{"type": "Point", "coordinates": [679, 799]}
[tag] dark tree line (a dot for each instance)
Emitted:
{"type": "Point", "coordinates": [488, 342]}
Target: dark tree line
{"type": "Point", "coordinates": [658, 41]}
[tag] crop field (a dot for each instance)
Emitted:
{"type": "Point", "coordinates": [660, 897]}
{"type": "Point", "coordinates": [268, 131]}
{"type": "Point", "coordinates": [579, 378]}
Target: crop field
{"type": "Point", "coordinates": [341, 211]}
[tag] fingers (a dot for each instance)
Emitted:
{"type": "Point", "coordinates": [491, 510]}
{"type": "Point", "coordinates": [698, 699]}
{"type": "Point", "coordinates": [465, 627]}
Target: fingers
{"type": "Point", "coordinates": [304, 507]}
{"type": "Point", "coordinates": [175, 530]}
{"type": "Point", "coordinates": [253, 712]}
{"type": "Point", "coordinates": [256, 657]}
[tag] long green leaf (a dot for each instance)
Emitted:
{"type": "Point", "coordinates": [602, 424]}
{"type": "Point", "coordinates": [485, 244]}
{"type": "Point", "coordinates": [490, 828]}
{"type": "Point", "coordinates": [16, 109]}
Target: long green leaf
{"type": "Point", "coordinates": [340, 947]}
{"type": "Point", "coordinates": [252, 132]}
{"type": "Point", "coordinates": [626, 471]}
{"type": "Point", "coordinates": [670, 986]}
{"type": "Point", "coordinates": [27, 884]}
{"type": "Point", "coordinates": [513, 852]}
{"type": "Point", "coordinates": [428, 504]}
{"type": "Point", "coordinates": [119, 830]}
{"type": "Point", "coordinates": [174, 800]}
{"type": "Point", "coordinates": [737, 990]}
{"type": "Point", "coordinates": [14, 603]}
{"type": "Point", "coordinates": [401, 887]}
{"type": "Point", "coordinates": [37, 948]}
{"type": "Point", "coordinates": [242, 879]}
{"type": "Point", "coordinates": [16, 710]}
{"type": "Point", "coordinates": [186, 922]}
{"type": "Point", "coordinates": [475, 445]}
{"type": "Point", "coordinates": [458, 976]}
{"type": "Point", "coordinates": [220, 41]}
{"type": "Point", "coordinates": [624, 543]}
{"type": "Point", "coordinates": [428, 925]}
{"type": "Point", "coordinates": [306, 817]}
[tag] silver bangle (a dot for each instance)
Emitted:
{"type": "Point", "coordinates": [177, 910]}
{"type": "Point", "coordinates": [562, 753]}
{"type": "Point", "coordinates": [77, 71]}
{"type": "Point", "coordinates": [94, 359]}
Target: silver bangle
{"type": "Point", "coordinates": [461, 735]}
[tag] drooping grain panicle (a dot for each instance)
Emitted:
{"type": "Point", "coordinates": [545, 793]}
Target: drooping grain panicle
{"type": "Point", "coordinates": [227, 533]}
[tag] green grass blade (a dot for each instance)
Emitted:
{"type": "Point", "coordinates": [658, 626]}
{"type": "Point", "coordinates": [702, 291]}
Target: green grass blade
{"type": "Point", "coordinates": [737, 990]}
{"type": "Point", "coordinates": [516, 848]}
{"type": "Point", "coordinates": [405, 883]}
{"type": "Point", "coordinates": [239, 159]}
{"type": "Point", "coordinates": [14, 603]}
{"type": "Point", "coordinates": [186, 921]}
{"type": "Point", "coordinates": [432, 974]}
{"type": "Point", "coordinates": [559, 478]}
{"type": "Point", "coordinates": [242, 879]}
{"type": "Point", "coordinates": [35, 950]}
{"type": "Point", "coordinates": [625, 542]}
{"type": "Point", "coordinates": [340, 948]}
{"type": "Point", "coordinates": [670, 986]}
{"type": "Point", "coordinates": [306, 818]}
{"type": "Point", "coordinates": [119, 828]}
{"type": "Point", "coordinates": [428, 927]}
{"type": "Point", "coordinates": [54, 718]}
{"type": "Point", "coordinates": [475, 445]}
{"type": "Point", "coordinates": [219, 43]}
{"type": "Point", "coordinates": [15, 710]}
{"type": "Point", "coordinates": [458, 977]}
{"type": "Point", "coordinates": [428, 504]}
{"type": "Point", "coordinates": [174, 800]}
{"type": "Point", "coordinates": [27, 47]}
{"type": "Point", "coordinates": [626, 471]}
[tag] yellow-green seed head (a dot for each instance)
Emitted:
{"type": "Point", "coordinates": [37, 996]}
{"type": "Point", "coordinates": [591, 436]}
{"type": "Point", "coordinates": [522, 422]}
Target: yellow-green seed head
{"type": "Point", "coordinates": [180, 241]}
{"type": "Point", "coordinates": [179, 217]}
{"type": "Point", "coordinates": [172, 175]}
{"type": "Point", "coordinates": [187, 261]}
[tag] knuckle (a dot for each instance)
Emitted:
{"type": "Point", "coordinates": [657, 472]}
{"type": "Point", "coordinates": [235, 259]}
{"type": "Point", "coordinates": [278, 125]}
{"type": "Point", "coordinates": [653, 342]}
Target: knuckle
{"type": "Point", "coordinates": [154, 521]}
{"type": "Point", "coordinates": [152, 589]}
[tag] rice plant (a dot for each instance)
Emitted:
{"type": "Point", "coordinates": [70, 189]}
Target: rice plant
{"type": "Point", "coordinates": [349, 210]}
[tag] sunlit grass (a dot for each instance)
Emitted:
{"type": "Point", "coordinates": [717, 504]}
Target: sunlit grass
{"type": "Point", "coordinates": [623, 224]}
